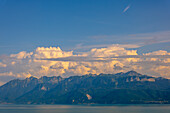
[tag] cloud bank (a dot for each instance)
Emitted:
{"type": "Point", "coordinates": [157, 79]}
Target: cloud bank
{"type": "Point", "coordinates": [53, 61]}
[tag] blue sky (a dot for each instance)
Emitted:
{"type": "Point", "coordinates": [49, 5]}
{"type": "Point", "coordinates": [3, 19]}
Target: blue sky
{"type": "Point", "coordinates": [27, 24]}
{"type": "Point", "coordinates": [33, 31]}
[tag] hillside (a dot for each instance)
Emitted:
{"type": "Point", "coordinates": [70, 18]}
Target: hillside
{"type": "Point", "coordinates": [120, 88]}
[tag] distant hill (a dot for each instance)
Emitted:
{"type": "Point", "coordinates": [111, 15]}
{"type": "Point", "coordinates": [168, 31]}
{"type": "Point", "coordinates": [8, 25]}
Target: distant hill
{"type": "Point", "coordinates": [120, 88]}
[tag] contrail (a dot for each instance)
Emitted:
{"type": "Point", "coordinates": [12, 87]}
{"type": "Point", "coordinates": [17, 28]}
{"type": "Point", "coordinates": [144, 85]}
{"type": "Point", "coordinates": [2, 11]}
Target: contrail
{"type": "Point", "coordinates": [126, 8]}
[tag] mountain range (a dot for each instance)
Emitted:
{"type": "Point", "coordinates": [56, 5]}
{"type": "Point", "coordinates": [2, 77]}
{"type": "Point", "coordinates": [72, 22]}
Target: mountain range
{"type": "Point", "coordinates": [120, 88]}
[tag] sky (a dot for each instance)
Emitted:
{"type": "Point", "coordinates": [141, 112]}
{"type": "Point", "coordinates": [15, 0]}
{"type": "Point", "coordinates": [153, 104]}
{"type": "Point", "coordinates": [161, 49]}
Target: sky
{"type": "Point", "coordinates": [35, 35]}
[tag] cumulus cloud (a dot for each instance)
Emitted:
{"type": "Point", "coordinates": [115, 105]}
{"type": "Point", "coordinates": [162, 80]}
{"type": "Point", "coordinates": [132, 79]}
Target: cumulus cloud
{"type": "Point", "coordinates": [53, 61]}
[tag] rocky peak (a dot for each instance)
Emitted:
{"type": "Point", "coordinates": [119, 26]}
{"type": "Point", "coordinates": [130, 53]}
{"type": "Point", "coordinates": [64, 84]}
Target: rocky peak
{"type": "Point", "coordinates": [30, 79]}
{"type": "Point", "coordinates": [132, 73]}
{"type": "Point", "coordinates": [54, 79]}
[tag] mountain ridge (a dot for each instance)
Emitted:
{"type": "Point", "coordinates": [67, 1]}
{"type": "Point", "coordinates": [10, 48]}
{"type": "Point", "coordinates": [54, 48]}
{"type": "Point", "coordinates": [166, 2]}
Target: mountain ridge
{"type": "Point", "coordinates": [91, 88]}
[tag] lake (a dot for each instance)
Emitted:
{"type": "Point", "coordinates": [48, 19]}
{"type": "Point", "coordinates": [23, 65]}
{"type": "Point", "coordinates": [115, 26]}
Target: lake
{"type": "Point", "coordinates": [148, 108]}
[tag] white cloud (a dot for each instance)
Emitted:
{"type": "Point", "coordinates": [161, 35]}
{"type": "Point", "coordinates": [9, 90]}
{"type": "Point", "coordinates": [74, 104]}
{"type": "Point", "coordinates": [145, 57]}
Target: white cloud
{"type": "Point", "coordinates": [112, 59]}
{"type": "Point", "coordinates": [51, 52]}
{"type": "Point", "coordinates": [140, 39]}
{"type": "Point", "coordinates": [160, 52]}
{"type": "Point", "coordinates": [22, 55]}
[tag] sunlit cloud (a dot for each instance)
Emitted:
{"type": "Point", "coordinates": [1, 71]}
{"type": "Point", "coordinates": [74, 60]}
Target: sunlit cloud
{"type": "Point", "coordinates": [2, 65]}
{"type": "Point", "coordinates": [160, 39]}
{"type": "Point", "coordinates": [53, 61]}
{"type": "Point", "coordinates": [96, 59]}
{"type": "Point", "coordinates": [154, 37]}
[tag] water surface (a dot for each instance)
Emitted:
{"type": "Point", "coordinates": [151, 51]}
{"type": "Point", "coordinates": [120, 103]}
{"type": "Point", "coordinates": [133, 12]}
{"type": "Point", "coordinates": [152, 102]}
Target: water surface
{"type": "Point", "coordinates": [85, 108]}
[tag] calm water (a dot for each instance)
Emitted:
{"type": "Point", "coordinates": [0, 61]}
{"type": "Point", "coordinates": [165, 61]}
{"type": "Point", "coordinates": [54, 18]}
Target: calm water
{"type": "Point", "coordinates": [84, 109]}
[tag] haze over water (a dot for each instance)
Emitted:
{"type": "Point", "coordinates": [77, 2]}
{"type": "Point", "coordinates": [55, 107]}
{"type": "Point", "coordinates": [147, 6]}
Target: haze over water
{"type": "Point", "coordinates": [84, 108]}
